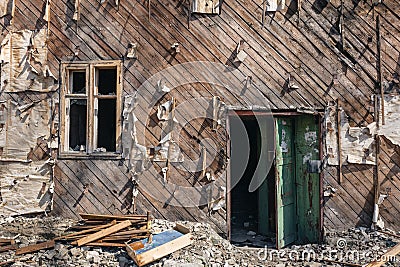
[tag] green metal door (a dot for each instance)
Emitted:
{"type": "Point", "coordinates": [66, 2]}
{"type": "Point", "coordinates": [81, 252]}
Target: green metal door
{"type": "Point", "coordinates": [285, 183]}
{"type": "Point", "coordinates": [307, 179]}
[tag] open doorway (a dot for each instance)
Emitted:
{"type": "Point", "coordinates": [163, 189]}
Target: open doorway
{"type": "Point", "coordinates": [285, 208]}
{"type": "Point", "coordinates": [248, 209]}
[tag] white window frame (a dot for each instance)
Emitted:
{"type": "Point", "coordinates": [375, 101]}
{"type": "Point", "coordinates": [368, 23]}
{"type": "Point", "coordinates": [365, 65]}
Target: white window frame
{"type": "Point", "coordinates": [90, 67]}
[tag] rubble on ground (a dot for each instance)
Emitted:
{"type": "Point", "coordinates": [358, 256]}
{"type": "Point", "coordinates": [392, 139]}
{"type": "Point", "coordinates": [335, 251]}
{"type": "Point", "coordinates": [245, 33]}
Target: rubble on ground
{"type": "Point", "coordinates": [207, 249]}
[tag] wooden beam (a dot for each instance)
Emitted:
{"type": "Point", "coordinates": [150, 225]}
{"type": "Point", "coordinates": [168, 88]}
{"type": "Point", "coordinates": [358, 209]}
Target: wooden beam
{"type": "Point", "coordinates": [203, 161]}
{"type": "Point", "coordinates": [7, 241]}
{"type": "Point", "coordinates": [189, 14]}
{"type": "Point", "coordinates": [88, 216]}
{"type": "Point", "coordinates": [9, 247]}
{"type": "Point", "coordinates": [385, 257]}
{"type": "Point", "coordinates": [148, 225]}
{"type": "Point", "coordinates": [105, 244]}
{"type": "Point", "coordinates": [125, 234]}
{"type": "Point", "coordinates": [377, 185]}
{"type": "Point", "coordinates": [149, 11]}
{"type": "Point", "coordinates": [35, 247]}
{"type": "Point", "coordinates": [341, 25]}
{"type": "Point", "coordinates": [339, 136]}
{"type": "Point", "coordinates": [298, 11]}
{"type": "Point", "coordinates": [379, 66]}
{"type": "Point", "coordinates": [86, 231]}
{"type": "Point", "coordinates": [387, 233]}
{"type": "Point", "coordinates": [263, 14]}
{"type": "Point", "coordinates": [103, 233]}
{"type": "Point", "coordinates": [163, 250]}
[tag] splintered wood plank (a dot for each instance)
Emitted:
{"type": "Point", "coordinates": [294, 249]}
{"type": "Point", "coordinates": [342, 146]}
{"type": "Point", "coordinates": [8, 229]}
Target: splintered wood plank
{"type": "Point", "coordinates": [88, 216]}
{"type": "Point", "coordinates": [161, 251]}
{"type": "Point", "coordinates": [7, 241]}
{"type": "Point", "coordinates": [86, 231]}
{"type": "Point", "coordinates": [105, 244]}
{"type": "Point", "coordinates": [9, 247]}
{"type": "Point", "coordinates": [35, 247]}
{"type": "Point", "coordinates": [103, 233]}
{"type": "Point", "coordinates": [386, 257]}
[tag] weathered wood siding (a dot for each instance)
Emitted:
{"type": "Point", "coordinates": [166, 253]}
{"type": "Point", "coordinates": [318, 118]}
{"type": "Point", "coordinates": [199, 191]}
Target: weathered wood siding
{"type": "Point", "coordinates": [307, 48]}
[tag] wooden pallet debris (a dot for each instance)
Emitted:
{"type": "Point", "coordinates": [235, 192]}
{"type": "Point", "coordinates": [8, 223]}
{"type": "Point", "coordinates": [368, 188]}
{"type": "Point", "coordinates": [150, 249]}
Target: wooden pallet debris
{"type": "Point", "coordinates": [160, 245]}
{"type": "Point", "coordinates": [103, 233]}
{"type": "Point", "coordinates": [94, 230]}
{"type": "Point", "coordinates": [35, 247]}
{"type": "Point", "coordinates": [108, 230]}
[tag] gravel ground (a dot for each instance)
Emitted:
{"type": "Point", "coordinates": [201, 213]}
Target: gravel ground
{"type": "Point", "coordinates": [357, 245]}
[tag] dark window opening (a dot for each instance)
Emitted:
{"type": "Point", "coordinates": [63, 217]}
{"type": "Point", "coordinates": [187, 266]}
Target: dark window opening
{"type": "Point", "coordinates": [107, 81]}
{"type": "Point", "coordinates": [106, 129]}
{"type": "Point", "coordinates": [78, 82]}
{"type": "Point", "coordinates": [77, 125]}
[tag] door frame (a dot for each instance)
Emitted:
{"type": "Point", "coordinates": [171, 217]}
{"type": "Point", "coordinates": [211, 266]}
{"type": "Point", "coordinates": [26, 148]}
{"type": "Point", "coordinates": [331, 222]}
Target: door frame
{"type": "Point", "coordinates": [248, 112]}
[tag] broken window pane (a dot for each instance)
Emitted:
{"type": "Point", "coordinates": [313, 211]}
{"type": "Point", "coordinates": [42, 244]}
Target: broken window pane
{"type": "Point", "coordinates": [77, 124]}
{"type": "Point", "coordinates": [78, 82]}
{"type": "Point", "coordinates": [106, 126]}
{"type": "Point", "coordinates": [107, 81]}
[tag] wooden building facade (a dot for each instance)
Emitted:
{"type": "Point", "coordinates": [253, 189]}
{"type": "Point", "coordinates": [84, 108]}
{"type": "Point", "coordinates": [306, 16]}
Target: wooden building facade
{"type": "Point", "coordinates": [89, 90]}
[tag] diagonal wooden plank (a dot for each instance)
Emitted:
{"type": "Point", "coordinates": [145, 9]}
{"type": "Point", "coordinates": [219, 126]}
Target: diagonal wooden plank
{"type": "Point", "coordinates": [103, 233]}
{"type": "Point", "coordinates": [35, 247]}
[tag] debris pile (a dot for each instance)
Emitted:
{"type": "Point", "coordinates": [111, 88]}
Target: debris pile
{"type": "Point", "coordinates": [207, 247]}
{"type": "Point", "coordinates": [109, 230]}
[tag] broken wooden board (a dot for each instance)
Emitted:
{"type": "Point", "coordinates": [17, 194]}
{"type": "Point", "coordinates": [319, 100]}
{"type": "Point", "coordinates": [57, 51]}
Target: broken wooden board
{"type": "Point", "coordinates": [87, 216]}
{"type": "Point", "coordinates": [385, 257]}
{"type": "Point", "coordinates": [103, 233]}
{"type": "Point", "coordinates": [35, 247]}
{"type": "Point", "coordinates": [8, 247]}
{"type": "Point", "coordinates": [6, 241]}
{"type": "Point", "coordinates": [161, 245]}
{"type": "Point", "coordinates": [105, 244]}
{"type": "Point", "coordinates": [69, 236]}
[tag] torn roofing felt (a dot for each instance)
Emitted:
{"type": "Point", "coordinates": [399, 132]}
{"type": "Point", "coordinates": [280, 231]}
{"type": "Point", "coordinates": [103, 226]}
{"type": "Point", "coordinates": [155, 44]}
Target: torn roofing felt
{"type": "Point", "coordinates": [357, 144]}
{"type": "Point", "coordinates": [391, 128]}
{"type": "Point", "coordinates": [25, 68]}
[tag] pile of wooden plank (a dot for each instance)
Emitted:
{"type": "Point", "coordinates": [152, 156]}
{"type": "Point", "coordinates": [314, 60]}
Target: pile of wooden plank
{"type": "Point", "coordinates": [109, 230]}
{"type": "Point", "coordinates": [99, 230]}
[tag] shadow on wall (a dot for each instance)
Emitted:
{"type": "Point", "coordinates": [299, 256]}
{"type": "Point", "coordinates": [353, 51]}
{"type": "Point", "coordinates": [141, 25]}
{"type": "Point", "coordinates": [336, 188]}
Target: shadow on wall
{"type": "Point", "coordinates": [291, 10]}
{"type": "Point", "coordinates": [319, 5]}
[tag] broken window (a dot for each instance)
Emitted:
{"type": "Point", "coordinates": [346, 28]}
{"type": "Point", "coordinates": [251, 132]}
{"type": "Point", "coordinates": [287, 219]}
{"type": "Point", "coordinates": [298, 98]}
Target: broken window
{"type": "Point", "coordinates": [91, 107]}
